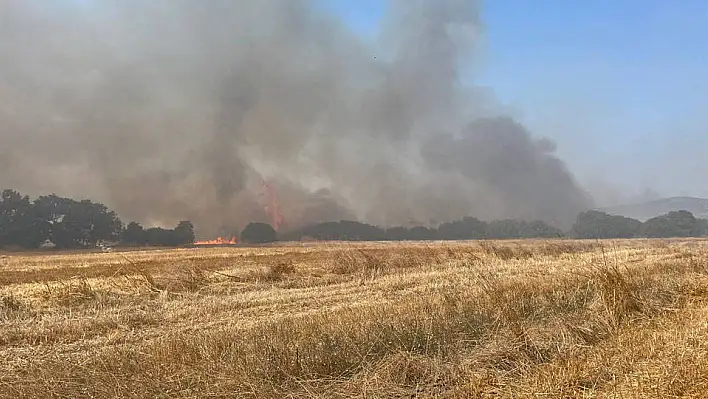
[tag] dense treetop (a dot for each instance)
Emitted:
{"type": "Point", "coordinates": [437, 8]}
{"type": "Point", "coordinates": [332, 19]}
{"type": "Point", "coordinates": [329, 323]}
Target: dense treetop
{"type": "Point", "coordinates": [258, 233]}
{"type": "Point", "coordinates": [67, 223]}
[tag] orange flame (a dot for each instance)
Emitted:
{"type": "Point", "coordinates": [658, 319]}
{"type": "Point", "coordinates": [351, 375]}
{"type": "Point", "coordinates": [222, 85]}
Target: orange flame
{"type": "Point", "coordinates": [217, 241]}
{"type": "Point", "coordinates": [272, 207]}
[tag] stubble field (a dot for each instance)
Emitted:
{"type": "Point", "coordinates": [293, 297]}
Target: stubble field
{"type": "Point", "coordinates": [457, 319]}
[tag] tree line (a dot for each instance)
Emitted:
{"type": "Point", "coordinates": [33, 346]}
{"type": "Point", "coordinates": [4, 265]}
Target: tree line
{"type": "Point", "coordinates": [589, 224]}
{"type": "Point", "coordinates": [468, 228]}
{"type": "Point", "coordinates": [595, 224]}
{"type": "Point", "coordinates": [68, 223]}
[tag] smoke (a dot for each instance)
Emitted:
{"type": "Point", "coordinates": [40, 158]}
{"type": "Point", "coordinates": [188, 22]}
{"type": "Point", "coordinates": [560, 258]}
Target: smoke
{"type": "Point", "coordinates": [178, 109]}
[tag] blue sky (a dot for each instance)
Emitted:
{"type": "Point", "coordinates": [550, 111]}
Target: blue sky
{"type": "Point", "coordinates": [620, 85]}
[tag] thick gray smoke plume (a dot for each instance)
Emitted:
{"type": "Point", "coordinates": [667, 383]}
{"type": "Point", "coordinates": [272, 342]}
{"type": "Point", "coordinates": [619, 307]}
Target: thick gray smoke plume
{"type": "Point", "coordinates": [179, 109]}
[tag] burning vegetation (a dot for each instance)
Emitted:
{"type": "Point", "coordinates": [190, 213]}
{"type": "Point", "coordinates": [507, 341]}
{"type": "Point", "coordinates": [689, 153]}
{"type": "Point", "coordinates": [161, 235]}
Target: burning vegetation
{"type": "Point", "coordinates": [272, 207]}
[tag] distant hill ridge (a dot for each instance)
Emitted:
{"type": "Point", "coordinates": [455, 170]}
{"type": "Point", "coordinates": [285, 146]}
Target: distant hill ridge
{"type": "Point", "coordinates": [647, 210]}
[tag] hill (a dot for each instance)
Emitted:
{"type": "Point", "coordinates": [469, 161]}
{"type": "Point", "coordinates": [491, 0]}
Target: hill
{"type": "Point", "coordinates": [647, 210]}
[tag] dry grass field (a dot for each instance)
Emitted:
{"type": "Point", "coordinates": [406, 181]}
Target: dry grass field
{"type": "Point", "coordinates": [456, 320]}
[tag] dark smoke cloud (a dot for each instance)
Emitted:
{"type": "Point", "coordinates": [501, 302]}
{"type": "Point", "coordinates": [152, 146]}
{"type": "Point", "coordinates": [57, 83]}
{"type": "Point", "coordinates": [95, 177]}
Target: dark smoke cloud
{"type": "Point", "coordinates": [174, 109]}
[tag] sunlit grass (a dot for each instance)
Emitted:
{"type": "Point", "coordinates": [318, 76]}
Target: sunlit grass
{"type": "Point", "coordinates": [445, 319]}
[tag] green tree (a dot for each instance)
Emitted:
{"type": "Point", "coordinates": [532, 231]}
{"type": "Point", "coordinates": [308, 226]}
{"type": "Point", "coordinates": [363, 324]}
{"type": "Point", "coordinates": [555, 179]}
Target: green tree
{"type": "Point", "coordinates": [703, 227]}
{"type": "Point", "coordinates": [184, 232]}
{"type": "Point", "coordinates": [422, 233]}
{"type": "Point", "coordinates": [398, 233]}
{"type": "Point", "coordinates": [596, 224]}
{"type": "Point", "coordinates": [538, 229]}
{"type": "Point", "coordinates": [20, 225]}
{"type": "Point", "coordinates": [504, 229]}
{"type": "Point", "coordinates": [77, 224]}
{"type": "Point", "coordinates": [673, 224]}
{"type": "Point", "coordinates": [134, 234]}
{"type": "Point", "coordinates": [466, 229]}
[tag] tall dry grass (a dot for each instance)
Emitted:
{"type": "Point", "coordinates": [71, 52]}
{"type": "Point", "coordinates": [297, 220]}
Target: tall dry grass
{"type": "Point", "coordinates": [484, 319]}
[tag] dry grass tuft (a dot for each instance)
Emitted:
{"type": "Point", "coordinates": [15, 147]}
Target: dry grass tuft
{"type": "Point", "coordinates": [568, 247]}
{"type": "Point", "coordinates": [11, 307]}
{"type": "Point", "coordinates": [185, 278]}
{"type": "Point", "coordinates": [505, 251]}
{"type": "Point", "coordinates": [278, 271]}
{"type": "Point", "coordinates": [10, 303]}
{"type": "Point", "coordinates": [71, 293]}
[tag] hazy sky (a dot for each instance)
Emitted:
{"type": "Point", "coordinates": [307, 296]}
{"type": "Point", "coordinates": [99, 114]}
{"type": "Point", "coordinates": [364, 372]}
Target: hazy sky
{"type": "Point", "coordinates": [256, 89]}
{"type": "Point", "coordinates": [171, 110]}
{"type": "Point", "coordinates": [619, 84]}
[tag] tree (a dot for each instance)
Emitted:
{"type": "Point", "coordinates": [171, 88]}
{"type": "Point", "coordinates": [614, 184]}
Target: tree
{"type": "Point", "coordinates": [466, 229]}
{"type": "Point", "coordinates": [596, 224]}
{"type": "Point", "coordinates": [20, 225]}
{"type": "Point", "coordinates": [345, 230]}
{"type": "Point", "coordinates": [356, 231]}
{"type": "Point", "coordinates": [52, 209]}
{"type": "Point", "coordinates": [157, 236]}
{"type": "Point", "coordinates": [538, 229]}
{"type": "Point", "coordinates": [185, 232]}
{"type": "Point", "coordinates": [422, 233]}
{"type": "Point", "coordinates": [504, 229]}
{"type": "Point", "coordinates": [77, 224]}
{"type": "Point", "coordinates": [96, 223]}
{"type": "Point", "coordinates": [397, 233]}
{"type": "Point", "coordinates": [323, 231]}
{"type": "Point", "coordinates": [258, 233]}
{"type": "Point", "coordinates": [134, 234]}
{"type": "Point", "coordinates": [703, 227]}
{"type": "Point", "coordinates": [673, 224]}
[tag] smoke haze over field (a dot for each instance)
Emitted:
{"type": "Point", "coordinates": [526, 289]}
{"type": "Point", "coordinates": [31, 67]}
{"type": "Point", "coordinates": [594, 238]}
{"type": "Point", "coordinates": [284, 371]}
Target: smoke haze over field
{"type": "Point", "coordinates": [178, 109]}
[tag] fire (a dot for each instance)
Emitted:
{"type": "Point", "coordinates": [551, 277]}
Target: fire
{"type": "Point", "coordinates": [272, 210]}
{"type": "Point", "coordinates": [272, 207]}
{"type": "Point", "coordinates": [217, 241]}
